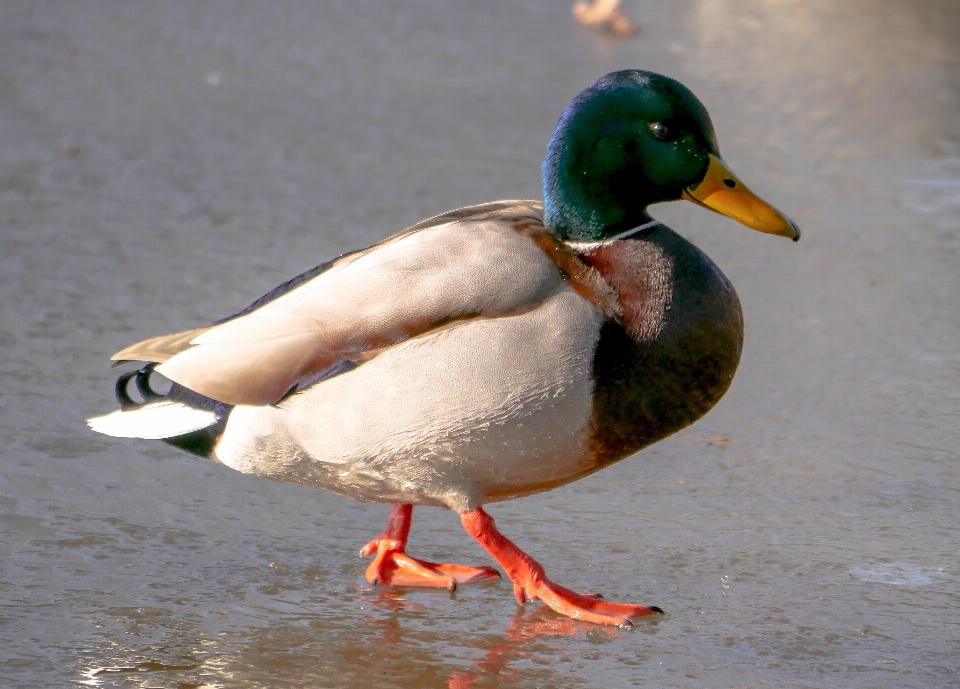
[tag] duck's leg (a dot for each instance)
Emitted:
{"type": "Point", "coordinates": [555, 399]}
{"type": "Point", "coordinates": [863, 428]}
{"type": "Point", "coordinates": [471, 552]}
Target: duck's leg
{"type": "Point", "coordinates": [530, 582]}
{"type": "Point", "coordinates": [393, 566]}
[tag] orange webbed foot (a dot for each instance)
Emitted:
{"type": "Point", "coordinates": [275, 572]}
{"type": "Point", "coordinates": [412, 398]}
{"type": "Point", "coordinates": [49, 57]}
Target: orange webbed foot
{"type": "Point", "coordinates": [393, 566]}
{"type": "Point", "coordinates": [587, 607]}
{"type": "Point", "coordinates": [531, 583]}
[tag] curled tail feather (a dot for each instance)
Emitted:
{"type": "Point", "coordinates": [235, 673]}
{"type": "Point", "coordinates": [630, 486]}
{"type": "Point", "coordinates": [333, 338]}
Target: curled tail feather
{"type": "Point", "coordinates": [179, 417]}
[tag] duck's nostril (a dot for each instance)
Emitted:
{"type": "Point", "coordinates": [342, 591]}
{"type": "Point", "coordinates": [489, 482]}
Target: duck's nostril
{"type": "Point", "coordinates": [730, 183]}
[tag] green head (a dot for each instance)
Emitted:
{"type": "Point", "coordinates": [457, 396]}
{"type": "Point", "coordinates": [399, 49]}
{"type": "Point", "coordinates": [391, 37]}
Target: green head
{"type": "Point", "coordinates": [632, 139]}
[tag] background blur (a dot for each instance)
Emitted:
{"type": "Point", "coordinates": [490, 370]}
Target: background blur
{"type": "Point", "coordinates": [164, 164]}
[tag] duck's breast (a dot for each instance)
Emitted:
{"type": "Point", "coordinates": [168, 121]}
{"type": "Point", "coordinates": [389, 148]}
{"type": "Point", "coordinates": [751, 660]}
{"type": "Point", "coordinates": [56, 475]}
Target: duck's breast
{"type": "Point", "coordinates": [674, 351]}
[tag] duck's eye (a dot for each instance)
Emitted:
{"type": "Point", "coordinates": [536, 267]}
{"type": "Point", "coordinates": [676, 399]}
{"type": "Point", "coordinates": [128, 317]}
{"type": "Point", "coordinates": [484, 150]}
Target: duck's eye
{"type": "Point", "coordinates": [659, 130]}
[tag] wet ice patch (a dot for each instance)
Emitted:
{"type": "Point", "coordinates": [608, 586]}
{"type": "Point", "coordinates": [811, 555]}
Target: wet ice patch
{"type": "Point", "coordinates": [935, 189]}
{"type": "Point", "coordinates": [898, 574]}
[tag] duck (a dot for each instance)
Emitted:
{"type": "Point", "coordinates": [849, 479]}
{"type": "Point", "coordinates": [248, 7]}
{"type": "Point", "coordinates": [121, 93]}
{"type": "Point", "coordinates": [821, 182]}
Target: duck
{"type": "Point", "coordinates": [485, 354]}
{"type": "Point", "coordinates": [604, 15]}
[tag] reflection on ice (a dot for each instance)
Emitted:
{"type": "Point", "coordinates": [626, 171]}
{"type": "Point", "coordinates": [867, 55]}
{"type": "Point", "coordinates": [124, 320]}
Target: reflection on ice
{"type": "Point", "coordinates": [898, 574]}
{"type": "Point", "coordinates": [529, 628]}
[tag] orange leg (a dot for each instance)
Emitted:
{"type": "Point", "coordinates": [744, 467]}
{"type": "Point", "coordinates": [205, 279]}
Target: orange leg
{"type": "Point", "coordinates": [393, 566]}
{"type": "Point", "coordinates": [531, 583]}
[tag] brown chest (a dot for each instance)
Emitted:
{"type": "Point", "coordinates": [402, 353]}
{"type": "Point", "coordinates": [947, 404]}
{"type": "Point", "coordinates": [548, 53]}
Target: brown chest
{"type": "Point", "coordinates": [640, 274]}
{"type": "Point", "coordinates": [671, 352]}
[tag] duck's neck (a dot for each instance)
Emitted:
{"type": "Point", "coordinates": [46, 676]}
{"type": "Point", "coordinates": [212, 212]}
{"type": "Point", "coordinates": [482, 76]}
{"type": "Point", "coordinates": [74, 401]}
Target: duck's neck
{"type": "Point", "coordinates": [588, 222]}
{"type": "Point", "coordinates": [584, 208]}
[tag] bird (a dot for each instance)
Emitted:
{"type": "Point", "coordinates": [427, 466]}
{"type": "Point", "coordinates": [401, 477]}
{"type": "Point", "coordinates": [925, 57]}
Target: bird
{"type": "Point", "coordinates": [485, 354]}
{"type": "Point", "coordinates": [604, 15]}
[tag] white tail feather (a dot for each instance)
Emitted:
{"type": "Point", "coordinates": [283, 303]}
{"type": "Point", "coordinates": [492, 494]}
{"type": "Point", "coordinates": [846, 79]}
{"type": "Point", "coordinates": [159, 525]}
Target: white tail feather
{"type": "Point", "coordinates": [153, 421]}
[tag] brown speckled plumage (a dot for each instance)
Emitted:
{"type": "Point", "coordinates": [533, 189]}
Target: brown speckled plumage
{"type": "Point", "coordinates": [674, 353]}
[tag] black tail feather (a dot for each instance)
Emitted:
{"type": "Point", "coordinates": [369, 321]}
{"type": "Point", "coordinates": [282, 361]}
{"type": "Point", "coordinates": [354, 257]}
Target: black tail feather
{"type": "Point", "coordinates": [200, 442]}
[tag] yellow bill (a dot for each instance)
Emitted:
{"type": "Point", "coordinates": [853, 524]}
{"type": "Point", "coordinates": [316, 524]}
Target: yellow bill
{"type": "Point", "coordinates": [722, 192]}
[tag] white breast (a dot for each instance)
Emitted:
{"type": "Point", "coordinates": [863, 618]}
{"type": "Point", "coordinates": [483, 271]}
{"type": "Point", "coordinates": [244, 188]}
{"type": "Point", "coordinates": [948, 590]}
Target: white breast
{"type": "Point", "coordinates": [488, 409]}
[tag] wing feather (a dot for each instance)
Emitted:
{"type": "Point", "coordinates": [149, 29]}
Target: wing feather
{"type": "Point", "coordinates": [465, 264]}
{"type": "Point", "coordinates": [159, 349]}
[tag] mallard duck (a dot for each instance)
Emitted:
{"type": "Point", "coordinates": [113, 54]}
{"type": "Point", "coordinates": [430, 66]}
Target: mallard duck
{"type": "Point", "coordinates": [485, 354]}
